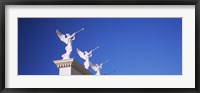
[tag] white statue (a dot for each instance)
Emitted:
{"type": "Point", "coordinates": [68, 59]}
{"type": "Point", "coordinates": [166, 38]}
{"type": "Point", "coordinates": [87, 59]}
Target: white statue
{"type": "Point", "coordinates": [67, 40]}
{"type": "Point", "coordinates": [86, 56]}
{"type": "Point", "coordinates": [97, 67]}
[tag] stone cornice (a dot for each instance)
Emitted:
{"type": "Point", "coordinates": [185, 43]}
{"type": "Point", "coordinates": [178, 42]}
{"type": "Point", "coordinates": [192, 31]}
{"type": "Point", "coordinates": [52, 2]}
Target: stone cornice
{"type": "Point", "coordinates": [73, 64]}
{"type": "Point", "coordinates": [63, 63]}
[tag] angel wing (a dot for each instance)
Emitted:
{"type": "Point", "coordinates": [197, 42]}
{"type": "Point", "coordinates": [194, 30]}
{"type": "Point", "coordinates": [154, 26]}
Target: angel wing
{"type": "Point", "coordinates": [81, 54]}
{"type": "Point", "coordinates": [62, 37]}
{"type": "Point", "coordinates": [93, 66]}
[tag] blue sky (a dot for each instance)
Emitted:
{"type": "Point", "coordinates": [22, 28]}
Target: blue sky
{"type": "Point", "coordinates": [134, 46]}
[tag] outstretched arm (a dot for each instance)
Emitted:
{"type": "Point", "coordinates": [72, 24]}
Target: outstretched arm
{"type": "Point", "coordinates": [76, 32]}
{"type": "Point", "coordinates": [73, 38]}
{"type": "Point", "coordinates": [90, 54]}
{"type": "Point", "coordinates": [93, 49]}
{"type": "Point", "coordinates": [101, 65]}
{"type": "Point", "coordinates": [72, 35]}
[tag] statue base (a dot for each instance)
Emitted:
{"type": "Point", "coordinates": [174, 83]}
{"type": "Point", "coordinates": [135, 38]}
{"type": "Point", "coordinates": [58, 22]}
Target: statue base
{"type": "Point", "coordinates": [71, 67]}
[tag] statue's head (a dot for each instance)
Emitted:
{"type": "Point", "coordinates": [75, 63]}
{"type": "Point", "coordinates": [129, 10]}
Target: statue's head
{"type": "Point", "coordinates": [67, 34]}
{"type": "Point", "coordinates": [97, 65]}
{"type": "Point", "coordinates": [85, 52]}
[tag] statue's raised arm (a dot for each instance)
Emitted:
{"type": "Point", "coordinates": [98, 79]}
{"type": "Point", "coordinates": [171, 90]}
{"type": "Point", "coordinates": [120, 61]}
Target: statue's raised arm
{"type": "Point", "coordinates": [93, 50]}
{"type": "Point", "coordinates": [77, 32]}
{"type": "Point", "coordinates": [103, 63]}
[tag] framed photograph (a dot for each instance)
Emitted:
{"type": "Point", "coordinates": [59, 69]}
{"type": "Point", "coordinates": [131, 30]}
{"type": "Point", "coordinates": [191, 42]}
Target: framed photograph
{"type": "Point", "coordinates": [109, 46]}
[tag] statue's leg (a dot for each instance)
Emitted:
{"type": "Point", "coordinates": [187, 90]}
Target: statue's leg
{"type": "Point", "coordinates": [65, 56]}
{"type": "Point", "coordinates": [86, 64]}
{"type": "Point", "coordinates": [68, 53]}
{"type": "Point", "coordinates": [98, 73]}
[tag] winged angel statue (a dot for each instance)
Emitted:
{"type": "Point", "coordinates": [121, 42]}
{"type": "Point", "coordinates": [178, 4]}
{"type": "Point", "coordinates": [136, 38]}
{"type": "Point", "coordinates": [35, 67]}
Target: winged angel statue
{"type": "Point", "coordinates": [67, 40]}
{"type": "Point", "coordinates": [97, 67]}
{"type": "Point", "coordinates": [86, 56]}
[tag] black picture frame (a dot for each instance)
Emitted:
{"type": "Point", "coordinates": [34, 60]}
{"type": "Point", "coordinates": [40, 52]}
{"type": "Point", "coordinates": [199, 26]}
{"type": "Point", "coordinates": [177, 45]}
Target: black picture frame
{"type": "Point", "coordinates": [3, 3]}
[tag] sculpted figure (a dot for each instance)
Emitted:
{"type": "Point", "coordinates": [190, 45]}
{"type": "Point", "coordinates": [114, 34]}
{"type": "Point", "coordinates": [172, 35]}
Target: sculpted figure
{"type": "Point", "coordinates": [86, 56]}
{"type": "Point", "coordinates": [97, 67]}
{"type": "Point", "coordinates": [68, 39]}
